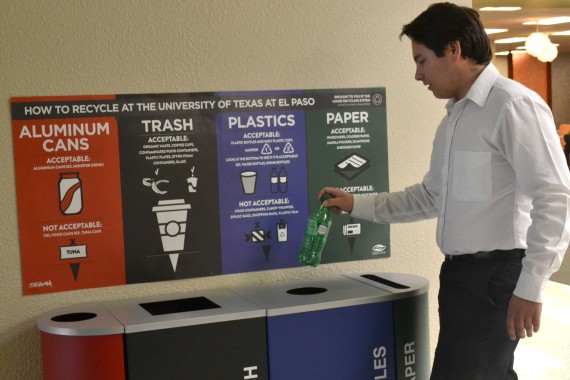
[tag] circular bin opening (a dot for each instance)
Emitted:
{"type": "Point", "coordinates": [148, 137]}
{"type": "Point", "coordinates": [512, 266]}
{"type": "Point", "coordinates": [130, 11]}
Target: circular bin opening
{"type": "Point", "coordinates": [74, 317]}
{"type": "Point", "coordinates": [306, 291]}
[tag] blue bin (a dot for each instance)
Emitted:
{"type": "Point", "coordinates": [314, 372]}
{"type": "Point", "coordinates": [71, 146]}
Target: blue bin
{"type": "Point", "coordinates": [332, 328]}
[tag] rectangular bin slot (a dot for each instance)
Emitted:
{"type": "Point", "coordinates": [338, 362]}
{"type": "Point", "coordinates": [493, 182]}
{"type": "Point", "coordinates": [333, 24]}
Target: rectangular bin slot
{"type": "Point", "coordinates": [384, 281]}
{"type": "Point", "coordinates": [179, 306]}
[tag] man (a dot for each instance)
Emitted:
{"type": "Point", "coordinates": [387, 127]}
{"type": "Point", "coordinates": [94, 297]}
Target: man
{"type": "Point", "coordinates": [499, 186]}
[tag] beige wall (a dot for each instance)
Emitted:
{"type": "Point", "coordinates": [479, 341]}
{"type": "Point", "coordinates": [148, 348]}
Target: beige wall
{"type": "Point", "coordinates": [69, 47]}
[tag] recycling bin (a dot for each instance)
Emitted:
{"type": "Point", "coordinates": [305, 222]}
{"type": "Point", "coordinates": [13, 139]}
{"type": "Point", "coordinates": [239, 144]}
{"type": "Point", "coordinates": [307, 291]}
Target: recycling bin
{"type": "Point", "coordinates": [333, 328]}
{"type": "Point", "coordinates": [357, 326]}
{"type": "Point", "coordinates": [201, 335]}
{"type": "Point", "coordinates": [411, 320]}
{"type": "Point", "coordinates": [81, 342]}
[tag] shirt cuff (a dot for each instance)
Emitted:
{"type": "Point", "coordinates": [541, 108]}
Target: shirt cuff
{"type": "Point", "coordinates": [363, 207]}
{"type": "Point", "coordinates": [530, 287]}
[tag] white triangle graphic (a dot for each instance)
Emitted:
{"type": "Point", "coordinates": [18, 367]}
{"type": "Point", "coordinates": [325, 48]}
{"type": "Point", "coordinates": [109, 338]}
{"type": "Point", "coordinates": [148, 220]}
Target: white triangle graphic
{"type": "Point", "coordinates": [174, 260]}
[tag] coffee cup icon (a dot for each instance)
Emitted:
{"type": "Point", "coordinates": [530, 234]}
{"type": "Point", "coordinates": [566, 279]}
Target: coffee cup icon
{"type": "Point", "coordinates": [171, 216]}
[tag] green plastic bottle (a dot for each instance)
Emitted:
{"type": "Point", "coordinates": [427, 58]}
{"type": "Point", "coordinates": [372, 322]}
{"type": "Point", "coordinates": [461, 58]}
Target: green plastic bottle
{"type": "Point", "coordinates": [316, 233]}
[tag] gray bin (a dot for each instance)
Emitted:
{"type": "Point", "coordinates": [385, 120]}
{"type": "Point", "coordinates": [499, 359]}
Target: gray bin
{"type": "Point", "coordinates": [206, 335]}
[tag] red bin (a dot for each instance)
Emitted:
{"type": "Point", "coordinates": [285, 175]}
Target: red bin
{"type": "Point", "coordinates": [82, 343]}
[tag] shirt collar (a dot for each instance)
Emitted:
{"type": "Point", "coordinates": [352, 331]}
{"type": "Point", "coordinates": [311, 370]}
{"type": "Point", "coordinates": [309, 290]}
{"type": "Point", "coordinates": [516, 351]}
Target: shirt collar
{"type": "Point", "coordinates": [479, 91]}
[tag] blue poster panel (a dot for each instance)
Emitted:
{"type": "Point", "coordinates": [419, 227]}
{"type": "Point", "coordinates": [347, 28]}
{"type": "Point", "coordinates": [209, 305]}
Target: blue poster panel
{"type": "Point", "coordinates": [137, 188]}
{"type": "Point", "coordinates": [264, 188]}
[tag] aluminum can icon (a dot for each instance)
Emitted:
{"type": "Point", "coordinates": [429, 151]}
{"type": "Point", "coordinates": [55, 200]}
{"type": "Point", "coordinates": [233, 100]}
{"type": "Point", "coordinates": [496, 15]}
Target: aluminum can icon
{"type": "Point", "coordinates": [70, 194]}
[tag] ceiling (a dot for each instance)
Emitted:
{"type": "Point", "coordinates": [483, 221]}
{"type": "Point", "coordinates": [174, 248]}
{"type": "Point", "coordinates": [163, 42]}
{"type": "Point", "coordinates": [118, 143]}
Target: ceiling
{"type": "Point", "coordinates": [532, 10]}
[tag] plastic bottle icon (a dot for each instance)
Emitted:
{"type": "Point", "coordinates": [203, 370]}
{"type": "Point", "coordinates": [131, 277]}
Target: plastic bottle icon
{"type": "Point", "coordinates": [274, 181]}
{"type": "Point", "coordinates": [316, 233]}
{"type": "Point", "coordinates": [283, 187]}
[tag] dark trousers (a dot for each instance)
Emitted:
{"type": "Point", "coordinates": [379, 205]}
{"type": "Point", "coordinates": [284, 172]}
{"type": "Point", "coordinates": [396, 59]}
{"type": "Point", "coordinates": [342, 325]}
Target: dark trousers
{"type": "Point", "coordinates": [473, 301]}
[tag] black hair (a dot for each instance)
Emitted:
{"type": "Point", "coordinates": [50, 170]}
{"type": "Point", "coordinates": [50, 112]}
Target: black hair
{"type": "Point", "coordinates": [444, 23]}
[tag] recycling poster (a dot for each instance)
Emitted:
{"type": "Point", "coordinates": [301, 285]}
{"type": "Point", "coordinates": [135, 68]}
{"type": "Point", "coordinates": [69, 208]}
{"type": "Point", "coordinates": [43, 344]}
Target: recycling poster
{"type": "Point", "coordinates": [124, 189]}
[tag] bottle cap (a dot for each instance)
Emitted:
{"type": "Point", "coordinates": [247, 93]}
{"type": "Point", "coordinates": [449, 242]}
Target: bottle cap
{"type": "Point", "coordinates": [325, 196]}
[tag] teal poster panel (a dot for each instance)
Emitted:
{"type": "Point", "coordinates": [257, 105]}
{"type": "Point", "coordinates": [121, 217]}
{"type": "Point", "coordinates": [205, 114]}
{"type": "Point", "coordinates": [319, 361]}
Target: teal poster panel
{"type": "Point", "coordinates": [352, 155]}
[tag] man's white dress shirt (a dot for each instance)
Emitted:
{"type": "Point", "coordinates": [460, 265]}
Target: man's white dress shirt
{"type": "Point", "coordinates": [498, 179]}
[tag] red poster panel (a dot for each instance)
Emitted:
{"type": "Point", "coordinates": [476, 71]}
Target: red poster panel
{"type": "Point", "coordinates": [69, 203]}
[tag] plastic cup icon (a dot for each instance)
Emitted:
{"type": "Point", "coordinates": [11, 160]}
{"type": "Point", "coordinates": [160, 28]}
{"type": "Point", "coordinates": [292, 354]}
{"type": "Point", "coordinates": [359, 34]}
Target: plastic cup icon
{"type": "Point", "coordinates": [192, 184]}
{"type": "Point", "coordinates": [171, 216]}
{"type": "Point", "coordinates": [248, 180]}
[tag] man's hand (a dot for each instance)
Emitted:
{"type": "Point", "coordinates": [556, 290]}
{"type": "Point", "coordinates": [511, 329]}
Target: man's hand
{"type": "Point", "coordinates": [340, 201]}
{"type": "Point", "coordinates": [523, 318]}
